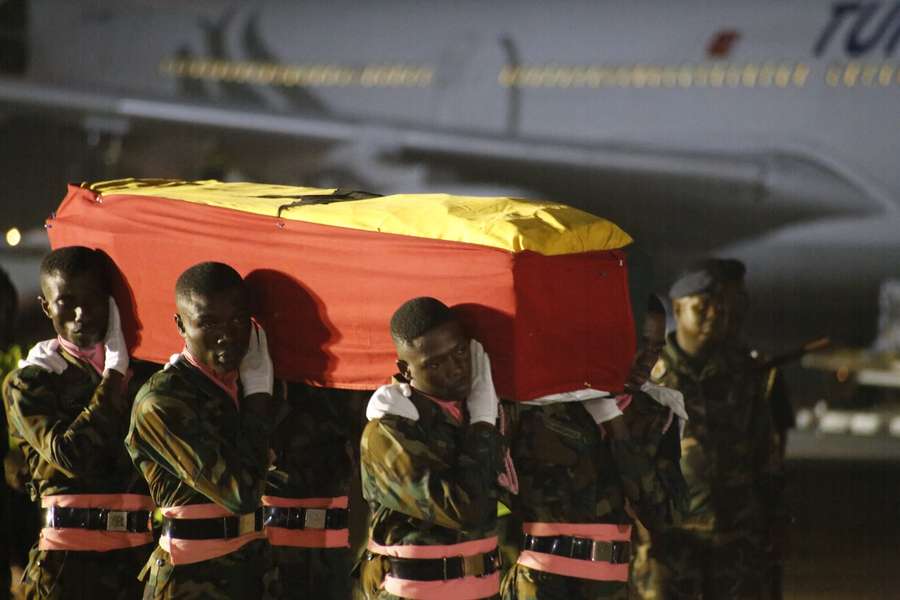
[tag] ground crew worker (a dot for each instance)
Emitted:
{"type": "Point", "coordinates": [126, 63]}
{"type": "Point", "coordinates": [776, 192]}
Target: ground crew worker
{"type": "Point", "coordinates": [729, 456]}
{"type": "Point", "coordinates": [199, 435]}
{"type": "Point", "coordinates": [430, 464]}
{"type": "Point", "coordinates": [581, 463]}
{"type": "Point", "coordinates": [306, 501]}
{"type": "Point", "coordinates": [68, 413]}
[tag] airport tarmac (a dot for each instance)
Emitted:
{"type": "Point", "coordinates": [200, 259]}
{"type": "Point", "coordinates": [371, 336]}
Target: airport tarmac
{"type": "Point", "coordinates": [845, 531]}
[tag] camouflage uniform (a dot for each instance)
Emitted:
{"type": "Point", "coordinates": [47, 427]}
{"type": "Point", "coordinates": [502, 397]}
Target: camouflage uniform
{"type": "Point", "coordinates": [70, 435]}
{"type": "Point", "coordinates": [193, 446]}
{"type": "Point", "coordinates": [569, 474]}
{"type": "Point", "coordinates": [8, 361]}
{"type": "Point", "coordinates": [428, 482]}
{"type": "Point", "coordinates": [312, 444]}
{"type": "Point", "coordinates": [731, 465]}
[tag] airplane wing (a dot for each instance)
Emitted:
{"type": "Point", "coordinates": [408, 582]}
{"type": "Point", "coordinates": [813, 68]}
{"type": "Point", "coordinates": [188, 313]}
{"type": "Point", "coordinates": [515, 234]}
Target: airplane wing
{"type": "Point", "coordinates": [751, 192]}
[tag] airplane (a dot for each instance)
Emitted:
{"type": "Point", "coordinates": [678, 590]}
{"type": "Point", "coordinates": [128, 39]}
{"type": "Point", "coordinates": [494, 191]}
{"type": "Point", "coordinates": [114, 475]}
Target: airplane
{"type": "Point", "coordinates": [765, 131]}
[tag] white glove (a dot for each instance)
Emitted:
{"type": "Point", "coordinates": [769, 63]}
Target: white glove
{"type": "Point", "coordinates": [114, 342]}
{"type": "Point", "coordinates": [172, 360]}
{"type": "Point", "coordinates": [392, 399]}
{"type": "Point", "coordinates": [44, 355]}
{"type": "Point", "coordinates": [256, 369]}
{"type": "Point", "coordinates": [603, 409]}
{"type": "Point", "coordinates": [482, 402]}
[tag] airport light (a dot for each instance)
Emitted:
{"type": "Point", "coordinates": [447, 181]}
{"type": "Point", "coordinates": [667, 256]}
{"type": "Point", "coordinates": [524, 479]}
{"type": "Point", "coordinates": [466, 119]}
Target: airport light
{"type": "Point", "coordinates": [13, 237]}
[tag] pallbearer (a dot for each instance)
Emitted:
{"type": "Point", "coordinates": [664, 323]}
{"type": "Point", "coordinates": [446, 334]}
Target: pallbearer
{"type": "Point", "coordinates": [68, 410]}
{"type": "Point", "coordinates": [200, 436]}
{"type": "Point", "coordinates": [306, 501]}
{"type": "Point", "coordinates": [587, 461]}
{"type": "Point", "coordinates": [430, 464]}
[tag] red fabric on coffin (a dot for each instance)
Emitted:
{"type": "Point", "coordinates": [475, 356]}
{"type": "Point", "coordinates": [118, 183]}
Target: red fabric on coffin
{"type": "Point", "coordinates": [325, 294]}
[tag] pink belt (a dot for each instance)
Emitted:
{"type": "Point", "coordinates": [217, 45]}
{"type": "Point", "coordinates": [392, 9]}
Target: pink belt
{"type": "Point", "coordinates": [465, 588]}
{"type": "Point", "coordinates": [571, 567]}
{"type": "Point", "coordinates": [183, 552]}
{"type": "Point", "coordinates": [73, 538]}
{"type": "Point", "coordinates": [307, 538]}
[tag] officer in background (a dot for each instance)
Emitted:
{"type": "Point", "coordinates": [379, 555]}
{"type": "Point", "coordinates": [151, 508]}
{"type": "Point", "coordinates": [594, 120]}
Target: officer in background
{"type": "Point", "coordinates": [68, 412]}
{"type": "Point", "coordinates": [729, 453]}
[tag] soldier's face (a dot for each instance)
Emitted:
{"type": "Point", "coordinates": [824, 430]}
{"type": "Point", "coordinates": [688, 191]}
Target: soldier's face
{"type": "Point", "coordinates": [653, 338]}
{"type": "Point", "coordinates": [216, 329]}
{"type": "Point", "coordinates": [438, 363]}
{"type": "Point", "coordinates": [702, 318]}
{"type": "Point", "coordinates": [77, 305]}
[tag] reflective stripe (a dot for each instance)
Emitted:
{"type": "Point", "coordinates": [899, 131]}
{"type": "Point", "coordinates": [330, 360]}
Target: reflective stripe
{"type": "Point", "coordinates": [572, 567]}
{"type": "Point", "coordinates": [183, 552]}
{"type": "Point", "coordinates": [604, 532]}
{"type": "Point", "coordinates": [307, 538]}
{"type": "Point", "coordinates": [469, 548]}
{"type": "Point", "coordinates": [466, 588]}
{"type": "Point", "coordinates": [77, 539]}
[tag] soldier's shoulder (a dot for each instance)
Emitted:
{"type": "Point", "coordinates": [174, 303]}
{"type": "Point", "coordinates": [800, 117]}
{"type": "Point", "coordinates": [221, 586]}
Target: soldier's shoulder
{"type": "Point", "coordinates": [162, 389]}
{"type": "Point", "coordinates": [30, 377]}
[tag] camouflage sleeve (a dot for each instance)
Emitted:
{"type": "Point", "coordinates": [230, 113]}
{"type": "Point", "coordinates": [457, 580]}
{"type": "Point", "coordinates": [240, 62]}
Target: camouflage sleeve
{"type": "Point", "coordinates": [230, 472]}
{"type": "Point", "coordinates": [648, 463]}
{"type": "Point", "coordinates": [402, 473]}
{"type": "Point", "coordinates": [77, 447]}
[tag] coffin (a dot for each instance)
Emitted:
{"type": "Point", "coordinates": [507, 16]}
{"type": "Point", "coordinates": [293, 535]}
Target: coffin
{"type": "Point", "coordinates": [541, 284]}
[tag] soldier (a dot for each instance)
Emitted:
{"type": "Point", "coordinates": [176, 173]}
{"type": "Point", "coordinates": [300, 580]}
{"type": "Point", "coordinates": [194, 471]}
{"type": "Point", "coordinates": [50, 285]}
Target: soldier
{"type": "Point", "coordinates": [199, 435]}
{"type": "Point", "coordinates": [10, 354]}
{"type": "Point", "coordinates": [729, 455]}
{"type": "Point", "coordinates": [581, 464]}
{"type": "Point", "coordinates": [306, 499]}
{"type": "Point", "coordinates": [68, 412]}
{"type": "Point", "coordinates": [430, 464]}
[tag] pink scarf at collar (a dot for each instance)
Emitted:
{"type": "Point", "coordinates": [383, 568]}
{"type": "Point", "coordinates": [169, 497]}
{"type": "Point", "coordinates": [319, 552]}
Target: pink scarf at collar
{"type": "Point", "coordinates": [228, 381]}
{"type": "Point", "coordinates": [452, 407]}
{"type": "Point", "coordinates": [94, 356]}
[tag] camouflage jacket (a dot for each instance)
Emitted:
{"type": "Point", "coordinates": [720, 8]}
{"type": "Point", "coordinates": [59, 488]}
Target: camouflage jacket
{"type": "Point", "coordinates": [569, 474]}
{"type": "Point", "coordinates": [431, 481]}
{"type": "Point", "coordinates": [729, 451]}
{"type": "Point", "coordinates": [311, 442]}
{"type": "Point", "coordinates": [69, 433]}
{"type": "Point", "coordinates": [192, 444]}
{"type": "Point", "coordinates": [660, 499]}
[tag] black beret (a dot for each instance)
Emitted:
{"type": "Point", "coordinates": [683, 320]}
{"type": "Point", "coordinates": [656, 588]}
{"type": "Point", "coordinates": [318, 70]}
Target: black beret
{"type": "Point", "coordinates": [732, 270]}
{"type": "Point", "coordinates": [696, 280]}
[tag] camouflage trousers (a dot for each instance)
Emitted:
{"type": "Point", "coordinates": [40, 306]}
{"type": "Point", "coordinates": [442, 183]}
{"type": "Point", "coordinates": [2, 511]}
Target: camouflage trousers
{"type": "Point", "coordinates": [322, 573]}
{"type": "Point", "coordinates": [681, 566]}
{"type": "Point", "coordinates": [240, 574]}
{"type": "Point", "coordinates": [523, 583]}
{"type": "Point", "coordinates": [71, 575]}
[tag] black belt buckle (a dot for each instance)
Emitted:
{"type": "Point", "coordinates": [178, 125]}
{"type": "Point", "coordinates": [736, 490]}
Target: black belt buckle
{"type": "Point", "coordinates": [580, 548]}
{"type": "Point", "coordinates": [621, 553]}
{"type": "Point", "coordinates": [229, 527]}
